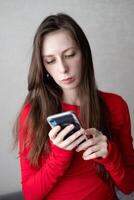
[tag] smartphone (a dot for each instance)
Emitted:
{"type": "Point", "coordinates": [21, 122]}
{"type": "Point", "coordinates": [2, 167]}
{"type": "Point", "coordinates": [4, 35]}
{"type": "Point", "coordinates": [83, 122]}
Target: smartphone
{"type": "Point", "coordinates": [64, 119]}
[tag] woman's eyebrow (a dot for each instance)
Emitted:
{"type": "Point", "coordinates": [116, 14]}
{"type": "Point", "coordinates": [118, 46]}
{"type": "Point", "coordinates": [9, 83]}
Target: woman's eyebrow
{"type": "Point", "coordinates": [44, 56]}
{"type": "Point", "coordinates": [70, 48]}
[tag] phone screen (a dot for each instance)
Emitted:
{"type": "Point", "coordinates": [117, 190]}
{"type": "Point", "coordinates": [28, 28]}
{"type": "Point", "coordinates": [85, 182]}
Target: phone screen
{"type": "Point", "coordinates": [64, 119]}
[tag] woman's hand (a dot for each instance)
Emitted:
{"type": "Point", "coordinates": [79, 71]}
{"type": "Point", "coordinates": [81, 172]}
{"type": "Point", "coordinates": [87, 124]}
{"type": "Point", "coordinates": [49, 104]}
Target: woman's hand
{"type": "Point", "coordinates": [57, 137]}
{"type": "Point", "coordinates": [95, 146]}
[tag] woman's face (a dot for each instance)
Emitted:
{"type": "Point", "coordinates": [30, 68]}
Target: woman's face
{"type": "Point", "coordinates": [62, 59]}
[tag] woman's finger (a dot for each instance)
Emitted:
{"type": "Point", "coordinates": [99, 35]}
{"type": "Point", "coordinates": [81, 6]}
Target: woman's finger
{"type": "Point", "coordinates": [92, 132]}
{"type": "Point", "coordinates": [91, 150]}
{"type": "Point", "coordinates": [63, 133]}
{"type": "Point", "coordinates": [96, 151]}
{"type": "Point", "coordinates": [88, 143]}
{"type": "Point", "coordinates": [92, 156]}
{"type": "Point", "coordinates": [75, 143]}
{"type": "Point", "coordinates": [72, 138]}
{"type": "Point", "coordinates": [53, 132]}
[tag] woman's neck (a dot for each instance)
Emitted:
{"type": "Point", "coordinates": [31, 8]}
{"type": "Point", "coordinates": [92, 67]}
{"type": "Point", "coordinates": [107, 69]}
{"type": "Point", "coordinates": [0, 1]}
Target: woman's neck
{"type": "Point", "coordinates": [71, 98]}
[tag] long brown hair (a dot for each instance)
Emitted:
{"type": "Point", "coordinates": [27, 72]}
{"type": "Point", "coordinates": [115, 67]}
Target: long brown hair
{"type": "Point", "coordinates": [45, 95]}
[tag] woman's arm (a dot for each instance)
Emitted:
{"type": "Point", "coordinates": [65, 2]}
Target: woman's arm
{"type": "Point", "coordinates": [120, 159]}
{"type": "Point", "coordinates": [37, 182]}
{"type": "Point", "coordinates": [118, 156]}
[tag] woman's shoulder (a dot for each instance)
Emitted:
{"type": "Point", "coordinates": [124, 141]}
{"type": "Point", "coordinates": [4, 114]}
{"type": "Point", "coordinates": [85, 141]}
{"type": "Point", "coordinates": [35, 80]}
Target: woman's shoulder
{"type": "Point", "coordinates": [112, 98]}
{"type": "Point", "coordinates": [116, 105]}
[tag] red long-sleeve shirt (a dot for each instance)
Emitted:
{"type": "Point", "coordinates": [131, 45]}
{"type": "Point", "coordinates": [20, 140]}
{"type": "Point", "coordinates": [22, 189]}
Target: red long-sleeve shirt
{"type": "Point", "coordinates": [64, 175]}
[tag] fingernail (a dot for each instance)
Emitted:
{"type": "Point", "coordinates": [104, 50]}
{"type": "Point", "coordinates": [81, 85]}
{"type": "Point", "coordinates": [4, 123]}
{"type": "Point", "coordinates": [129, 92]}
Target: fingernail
{"type": "Point", "coordinates": [71, 125]}
{"type": "Point", "coordinates": [85, 158]}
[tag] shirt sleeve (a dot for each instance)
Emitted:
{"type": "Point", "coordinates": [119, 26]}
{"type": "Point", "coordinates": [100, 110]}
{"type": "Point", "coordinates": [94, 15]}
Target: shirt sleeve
{"type": "Point", "coordinates": [120, 160]}
{"type": "Point", "coordinates": [37, 182]}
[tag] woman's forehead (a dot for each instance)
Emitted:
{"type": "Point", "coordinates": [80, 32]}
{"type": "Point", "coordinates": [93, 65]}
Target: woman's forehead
{"type": "Point", "coordinates": [57, 41]}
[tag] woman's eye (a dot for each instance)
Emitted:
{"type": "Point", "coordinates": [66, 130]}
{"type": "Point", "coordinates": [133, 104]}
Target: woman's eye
{"type": "Point", "coordinates": [70, 55]}
{"type": "Point", "coordinates": [49, 62]}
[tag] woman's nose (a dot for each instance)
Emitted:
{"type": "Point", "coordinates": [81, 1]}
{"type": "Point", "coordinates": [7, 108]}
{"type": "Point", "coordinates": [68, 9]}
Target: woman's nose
{"type": "Point", "coordinates": [62, 66]}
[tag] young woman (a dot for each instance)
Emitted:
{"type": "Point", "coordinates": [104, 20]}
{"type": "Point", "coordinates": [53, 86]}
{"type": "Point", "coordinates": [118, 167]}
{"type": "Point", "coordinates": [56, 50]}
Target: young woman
{"type": "Point", "coordinates": [61, 78]}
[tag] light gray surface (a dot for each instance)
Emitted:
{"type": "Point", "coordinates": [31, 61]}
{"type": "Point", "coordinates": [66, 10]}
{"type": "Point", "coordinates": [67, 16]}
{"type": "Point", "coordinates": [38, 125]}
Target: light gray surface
{"type": "Point", "coordinates": [109, 26]}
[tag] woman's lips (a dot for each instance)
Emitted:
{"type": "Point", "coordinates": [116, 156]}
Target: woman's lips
{"type": "Point", "coordinates": [68, 80]}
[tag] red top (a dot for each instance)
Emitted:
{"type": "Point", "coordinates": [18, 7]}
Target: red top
{"type": "Point", "coordinates": [64, 175]}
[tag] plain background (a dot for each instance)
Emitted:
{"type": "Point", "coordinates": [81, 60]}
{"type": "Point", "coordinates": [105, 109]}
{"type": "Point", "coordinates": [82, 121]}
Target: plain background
{"type": "Point", "coordinates": [109, 27]}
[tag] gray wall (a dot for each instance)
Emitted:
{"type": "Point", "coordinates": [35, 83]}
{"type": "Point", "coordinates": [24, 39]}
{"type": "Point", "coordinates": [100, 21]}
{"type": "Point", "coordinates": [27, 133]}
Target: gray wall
{"type": "Point", "coordinates": [109, 26]}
